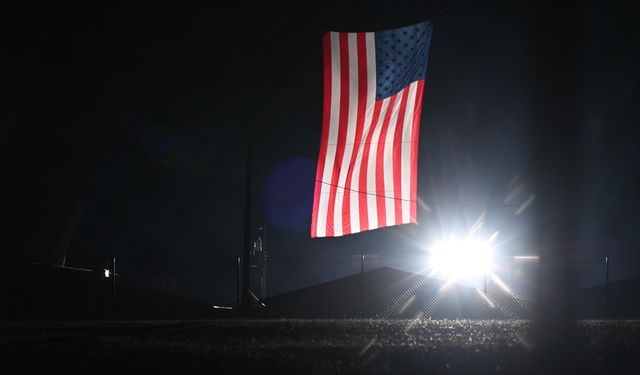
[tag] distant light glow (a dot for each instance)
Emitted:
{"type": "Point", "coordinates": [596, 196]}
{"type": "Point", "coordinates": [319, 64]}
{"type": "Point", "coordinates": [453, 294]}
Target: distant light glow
{"type": "Point", "coordinates": [216, 307]}
{"type": "Point", "coordinates": [455, 258]}
{"type": "Point", "coordinates": [526, 257]}
{"type": "Point", "coordinates": [107, 273]}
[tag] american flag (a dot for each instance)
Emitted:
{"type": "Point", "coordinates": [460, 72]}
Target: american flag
{"type": "Point", "coordinates": [367, 166]}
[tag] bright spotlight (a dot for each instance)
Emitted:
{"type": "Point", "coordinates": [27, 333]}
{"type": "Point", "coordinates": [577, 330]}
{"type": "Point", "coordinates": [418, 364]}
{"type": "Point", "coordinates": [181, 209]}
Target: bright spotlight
{"type": "Point", "coordinates": [107, 273]}
{"type": "Point", "coordinates": [456, 258]}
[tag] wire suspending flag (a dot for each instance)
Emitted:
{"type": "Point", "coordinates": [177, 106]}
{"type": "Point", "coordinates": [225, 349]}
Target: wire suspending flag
{"type": "Point", "coordinates": [366, 176]}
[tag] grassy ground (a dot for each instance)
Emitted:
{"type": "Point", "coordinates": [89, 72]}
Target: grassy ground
{"type": "Point", "coordinates": [317, 346]}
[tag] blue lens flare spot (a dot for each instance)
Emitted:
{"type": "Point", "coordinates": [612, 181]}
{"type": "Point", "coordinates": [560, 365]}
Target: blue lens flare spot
{"type": "Point", "coordinates": [287, 194]}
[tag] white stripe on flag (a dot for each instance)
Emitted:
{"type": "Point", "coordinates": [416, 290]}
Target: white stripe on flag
{"type": "Point", "coordinates": [351, 130]}
{"type": "Point", "coordinates": [405, 164]}
{"type": "Point", "coordinates": [371, 170]}
{"type": "Point", "coordinates": [370, 103]}
{"type": "Point", "coordinates": [333, 135]}
{"type": "Point", "coordinates": [389, 202]}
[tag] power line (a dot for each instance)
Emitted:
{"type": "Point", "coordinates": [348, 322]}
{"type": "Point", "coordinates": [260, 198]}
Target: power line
{"type": "Point", "coordinates": [409, 200]}
{"type": "Point", "coordinates": [365, 192]}
{"type": "Point", "coordinates": [587, 197]}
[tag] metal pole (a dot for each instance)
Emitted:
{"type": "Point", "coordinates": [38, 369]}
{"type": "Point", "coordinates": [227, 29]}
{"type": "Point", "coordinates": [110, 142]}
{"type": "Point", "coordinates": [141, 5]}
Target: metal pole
{"type": "Point", "coordinates": [238, 283]}
{"type": "Point", "coordinates": [246, 260]}
{"type": "Point", "coordinates": [114, 306]}
{"type": "Point", "coordinates": [263, 273]}
{"type": "Point", "coordinates": [362, 285]}
{"type": "Point", "coordinates": [606, 261]}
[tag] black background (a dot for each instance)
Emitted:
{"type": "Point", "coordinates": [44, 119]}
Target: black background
{"type": "Point", "coordinates": [143, 114]}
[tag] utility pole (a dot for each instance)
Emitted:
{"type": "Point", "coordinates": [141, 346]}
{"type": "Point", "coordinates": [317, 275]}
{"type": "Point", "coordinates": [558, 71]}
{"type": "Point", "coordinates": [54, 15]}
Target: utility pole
{"type": "Point", "coordinates": [362, 285]}
{"type": "Point", "coordinates": [113, 287]}
{"type": "Point", "coordinates": [238, 283]}
{"type": "Point", "coordinates": [607, 311]}
{"type": "Point", "coordinates": [246, 260]}
{"type": "Point", "coordinates": [263, 270]}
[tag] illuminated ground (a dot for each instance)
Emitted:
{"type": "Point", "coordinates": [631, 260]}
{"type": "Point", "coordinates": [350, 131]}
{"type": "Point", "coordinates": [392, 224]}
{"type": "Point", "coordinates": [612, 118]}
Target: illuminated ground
{"type": "Point", "coordinates": [309, 346]}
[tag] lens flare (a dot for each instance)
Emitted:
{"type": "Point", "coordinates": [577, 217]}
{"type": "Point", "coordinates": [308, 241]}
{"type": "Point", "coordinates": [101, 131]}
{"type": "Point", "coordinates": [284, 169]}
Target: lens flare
{"type": "Point", "coordinates": [501, 284]}
{"type": "Point", "coordinates": [456, 258]}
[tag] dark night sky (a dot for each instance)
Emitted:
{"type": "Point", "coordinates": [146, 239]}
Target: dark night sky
{"type": "Point", "coordinates": [144, 112]}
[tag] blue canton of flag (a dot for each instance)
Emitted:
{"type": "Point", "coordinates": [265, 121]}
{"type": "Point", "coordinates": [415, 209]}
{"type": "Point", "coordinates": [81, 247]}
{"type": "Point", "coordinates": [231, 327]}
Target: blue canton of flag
{"type": "Point", "coordinates": [401, 57]}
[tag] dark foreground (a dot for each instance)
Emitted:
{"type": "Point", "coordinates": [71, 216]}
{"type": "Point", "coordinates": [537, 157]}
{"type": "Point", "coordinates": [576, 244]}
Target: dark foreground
{"type": "Point", "coordinates": [316, 346]}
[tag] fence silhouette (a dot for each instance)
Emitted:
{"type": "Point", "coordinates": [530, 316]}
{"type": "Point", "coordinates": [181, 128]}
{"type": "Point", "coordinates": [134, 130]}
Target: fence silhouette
{"type": "Point", "coordinates": [192, 285]}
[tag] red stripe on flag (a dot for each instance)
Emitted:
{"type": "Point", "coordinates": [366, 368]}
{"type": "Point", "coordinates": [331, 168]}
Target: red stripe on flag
{"type": "Point", "coordinates": [326, 43]}
{"type": "Point", "coordinates": [397, 158]}
{"type": "Point", "coordinates": [362, 196]}
{"type": "Point", "coordinates": [362, 100]}
{"type": "Point", "coordinates": [380, 192]}
{"type": "Point", "coordinates": [415, 137]}
{"type": "Point", "coordinates": [342, 129]}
